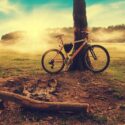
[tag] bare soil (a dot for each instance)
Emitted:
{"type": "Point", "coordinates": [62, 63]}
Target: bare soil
{"type": "Point", "coordinates": [106, 98]}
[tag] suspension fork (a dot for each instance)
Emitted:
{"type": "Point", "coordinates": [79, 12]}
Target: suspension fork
{"type": "Point", "coordinates": [93, 53]}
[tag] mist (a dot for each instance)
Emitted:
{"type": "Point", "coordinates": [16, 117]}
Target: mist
{"type": "Point", "coordinates": [108, 36]}
{"type": "Point", "coordinates": [34, 24]}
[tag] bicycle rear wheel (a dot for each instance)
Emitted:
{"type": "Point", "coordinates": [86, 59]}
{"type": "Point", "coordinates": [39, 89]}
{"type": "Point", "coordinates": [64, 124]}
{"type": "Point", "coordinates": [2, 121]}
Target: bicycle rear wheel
{"type": "Point", "coordinates": [97, 58]}
{"type": "Point", "coordinates": [53, 61]}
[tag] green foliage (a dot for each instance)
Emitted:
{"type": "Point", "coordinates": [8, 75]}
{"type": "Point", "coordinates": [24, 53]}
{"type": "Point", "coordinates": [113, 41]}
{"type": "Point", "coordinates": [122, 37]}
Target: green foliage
{"type": "Point", "coordinates": [16, 64]}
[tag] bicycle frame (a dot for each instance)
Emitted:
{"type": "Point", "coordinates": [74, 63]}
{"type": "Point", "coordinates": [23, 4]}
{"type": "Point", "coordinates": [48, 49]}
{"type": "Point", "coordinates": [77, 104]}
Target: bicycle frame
{"type": "Point", "coordinates": [63, 57]}
{"type": "Point", "coordinates": [70, 59]}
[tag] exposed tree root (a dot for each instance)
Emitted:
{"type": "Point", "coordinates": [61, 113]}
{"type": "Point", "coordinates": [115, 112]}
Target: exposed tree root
{"type": "Point", "coordinates": [49, 106]}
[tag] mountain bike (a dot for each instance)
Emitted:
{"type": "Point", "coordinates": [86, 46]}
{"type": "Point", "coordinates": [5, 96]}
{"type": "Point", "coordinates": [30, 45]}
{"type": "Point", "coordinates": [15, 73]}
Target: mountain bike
{"type": "Point", "coordinates": [53, 61]}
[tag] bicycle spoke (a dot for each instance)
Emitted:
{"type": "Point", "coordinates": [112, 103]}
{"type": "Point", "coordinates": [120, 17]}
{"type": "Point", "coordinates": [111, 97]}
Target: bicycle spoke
{"type": "Point", "coordinates": [98, 58]}
{"type": "Point", "coordinates": [53, 61]}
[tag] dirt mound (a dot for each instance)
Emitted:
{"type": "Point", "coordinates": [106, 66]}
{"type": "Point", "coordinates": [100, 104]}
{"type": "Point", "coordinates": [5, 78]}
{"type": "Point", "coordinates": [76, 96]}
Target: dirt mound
{"type": "Point", "coordinates": [106, 100]}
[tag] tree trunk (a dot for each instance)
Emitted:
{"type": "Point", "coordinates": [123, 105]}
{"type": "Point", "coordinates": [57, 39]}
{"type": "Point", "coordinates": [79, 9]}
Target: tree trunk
{"type": "Point", "coordinates": [80, 24]}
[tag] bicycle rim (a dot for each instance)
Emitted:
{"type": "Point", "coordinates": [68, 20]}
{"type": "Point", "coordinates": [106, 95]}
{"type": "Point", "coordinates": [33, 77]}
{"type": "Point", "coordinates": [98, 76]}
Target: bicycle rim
{"type": "Point", "coordinates": [97, 58]}
{"type": "Point", "coordinates": [53, 61]}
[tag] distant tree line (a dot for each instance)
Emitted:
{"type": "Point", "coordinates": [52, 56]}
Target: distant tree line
{"type": "Point", "coordinates": [110, 28]}
{"type": "Point", "coordinates": [112, 33]}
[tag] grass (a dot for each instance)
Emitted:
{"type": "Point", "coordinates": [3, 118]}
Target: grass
{"type": "Point", "coordinates": [21, 64]}
{"type": "Point", "coordinates": [116, 70]}
{"type": "Point", "coordinates": [16, 64]}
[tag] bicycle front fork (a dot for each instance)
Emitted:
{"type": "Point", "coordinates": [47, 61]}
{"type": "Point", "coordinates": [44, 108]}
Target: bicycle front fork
{"type": "Point", "coordinates": [93, 53]}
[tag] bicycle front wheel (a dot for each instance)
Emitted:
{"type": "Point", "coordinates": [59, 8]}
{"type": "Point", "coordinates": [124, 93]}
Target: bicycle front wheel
{"type": "Point", "coordinates": [97, 58]}
{"type": "Point", "coordinates": [53, 61]}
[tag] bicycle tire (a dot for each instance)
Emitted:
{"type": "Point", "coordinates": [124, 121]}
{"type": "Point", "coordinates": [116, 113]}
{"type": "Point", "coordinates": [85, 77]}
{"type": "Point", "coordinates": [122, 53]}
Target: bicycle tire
{"type": "Point", "coordinates": [89, 64]}
{"type": "Point", "coordinates": [43, 61]}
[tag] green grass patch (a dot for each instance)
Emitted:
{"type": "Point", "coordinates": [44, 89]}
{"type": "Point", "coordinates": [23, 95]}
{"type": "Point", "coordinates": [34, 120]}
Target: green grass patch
{"type": "Point", "coordinates": [14, 64]}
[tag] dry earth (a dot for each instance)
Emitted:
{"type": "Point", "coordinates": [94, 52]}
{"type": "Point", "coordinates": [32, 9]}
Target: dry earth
{"type": "Point", "coordinates": [106, 99]}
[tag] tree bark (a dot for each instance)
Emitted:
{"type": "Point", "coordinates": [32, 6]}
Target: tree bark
{"type": "Point", "coordinates": [48, 106]}
{"type": "Point", "coordinates": [80, 24]}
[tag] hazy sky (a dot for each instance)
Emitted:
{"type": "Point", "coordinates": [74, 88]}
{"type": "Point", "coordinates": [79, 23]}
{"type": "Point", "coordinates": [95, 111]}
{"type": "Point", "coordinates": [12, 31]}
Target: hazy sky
{"type": "Point", "coordinates": [34, 15]}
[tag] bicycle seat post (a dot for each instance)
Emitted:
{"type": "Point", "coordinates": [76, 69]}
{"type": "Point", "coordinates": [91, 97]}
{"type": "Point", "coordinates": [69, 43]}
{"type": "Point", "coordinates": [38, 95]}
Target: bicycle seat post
{"type": "Point", "coordinates": [61, 39]}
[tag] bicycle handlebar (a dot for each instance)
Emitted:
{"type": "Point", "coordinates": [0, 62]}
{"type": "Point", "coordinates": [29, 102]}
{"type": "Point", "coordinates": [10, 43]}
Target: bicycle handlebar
{"type": "Point", "coordinates": [85, 32]}
{"type": "Point", "coordinates": [59, 36]}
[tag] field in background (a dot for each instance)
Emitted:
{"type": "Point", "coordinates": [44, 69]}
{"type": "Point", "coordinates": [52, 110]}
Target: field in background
{"type": "Point", "coordinates": [116, 71]}
{"type": "Point", "coordinates": [22, 64]}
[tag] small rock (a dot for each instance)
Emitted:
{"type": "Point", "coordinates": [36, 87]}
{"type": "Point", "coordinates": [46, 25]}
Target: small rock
{"type": "Point", "coordinates": [50, 118]}
{"type": "Point", "coordinates": [76, 97]}
{"type": "Point", "coordinates": [11, 80]}
{"type": "Point", "coordinates": [78, 83]}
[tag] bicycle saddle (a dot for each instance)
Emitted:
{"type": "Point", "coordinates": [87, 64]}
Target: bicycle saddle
{"type": "Point", "coordinates": [60, 35]}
